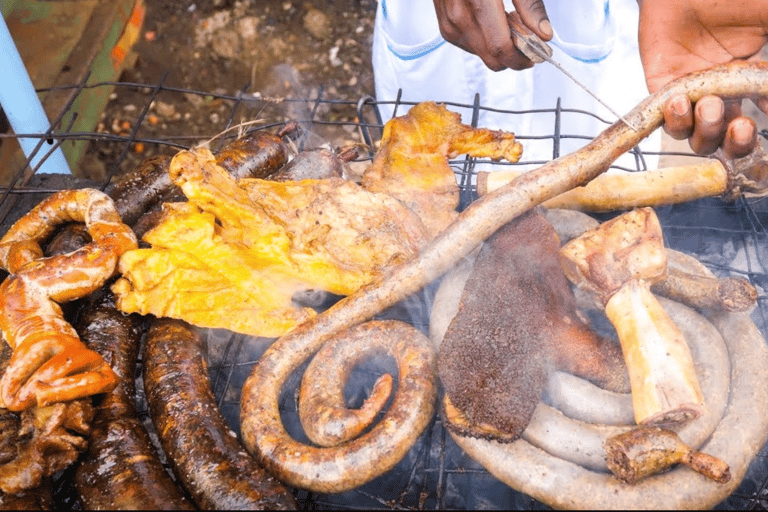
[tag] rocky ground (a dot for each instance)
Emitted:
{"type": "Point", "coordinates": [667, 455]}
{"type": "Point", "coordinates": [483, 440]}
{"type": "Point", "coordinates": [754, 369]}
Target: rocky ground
{"type": "Point", "coordinates": [258, 49]}
{"type": "Point", "coordinates": [268, 52]}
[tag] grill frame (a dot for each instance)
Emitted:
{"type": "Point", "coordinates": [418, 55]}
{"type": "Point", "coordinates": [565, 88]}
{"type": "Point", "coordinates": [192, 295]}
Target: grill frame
{"type": "Point", "coordinates": [729, 238]}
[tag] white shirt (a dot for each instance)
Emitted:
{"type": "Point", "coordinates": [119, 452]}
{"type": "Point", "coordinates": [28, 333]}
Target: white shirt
{"type": "Point", "coordinates": [595, 40]}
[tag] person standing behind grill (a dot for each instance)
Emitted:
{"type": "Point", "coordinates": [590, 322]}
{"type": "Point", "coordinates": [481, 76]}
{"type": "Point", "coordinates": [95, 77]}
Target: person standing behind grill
{"type": "Point", "coordinates": [596, 40]}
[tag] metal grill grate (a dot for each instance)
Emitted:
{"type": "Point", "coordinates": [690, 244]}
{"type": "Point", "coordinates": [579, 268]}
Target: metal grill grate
{"type": "Point", "coordinates": [729, 238]}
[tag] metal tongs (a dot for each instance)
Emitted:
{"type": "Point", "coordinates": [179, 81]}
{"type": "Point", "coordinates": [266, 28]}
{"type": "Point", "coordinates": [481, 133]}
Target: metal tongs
{"type": "Point", "coordinates": [533, 47]}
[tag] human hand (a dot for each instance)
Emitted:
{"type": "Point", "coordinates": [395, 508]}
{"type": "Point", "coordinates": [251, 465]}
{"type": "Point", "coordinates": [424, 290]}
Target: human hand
{"type": "Point", "coordinates": [677, 38]}
{"type": "Point", "coordinates": [480, 27]}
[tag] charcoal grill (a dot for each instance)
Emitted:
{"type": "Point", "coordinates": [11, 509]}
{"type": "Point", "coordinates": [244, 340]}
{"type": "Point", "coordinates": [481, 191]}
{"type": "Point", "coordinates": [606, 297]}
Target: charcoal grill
{"type": "Point", "coordinates": [729, 238]}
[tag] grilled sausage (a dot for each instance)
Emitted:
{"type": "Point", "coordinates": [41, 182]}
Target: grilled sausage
{"type": "Point", "coordinates": [39, 498]}
{"type": "Point", "coordinates": [122, 470]}
{"type": "Point", "coordinates": [351, 464]}
{"type": "Point", "coordinates": [256, 155]}
{"type": "Point", "coordinates": [327, 420]}
{"type": "Point", "coordinates": [137, 191]}
{"type": "Point", "coordinates": [207, 457]}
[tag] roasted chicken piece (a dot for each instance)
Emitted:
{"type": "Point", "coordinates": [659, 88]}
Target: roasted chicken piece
{"type": "Point", "coordinates": [412, 162]}
{"type": "Point", "coordinates": [235, 254]}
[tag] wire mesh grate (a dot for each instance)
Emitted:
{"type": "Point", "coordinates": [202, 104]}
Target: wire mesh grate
{"type": "Point", "coordinates": [729, 238]}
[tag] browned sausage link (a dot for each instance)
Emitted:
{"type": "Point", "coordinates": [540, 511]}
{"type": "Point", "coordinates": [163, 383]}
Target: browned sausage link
{"type": "Point", "coordinates": [256, 155]}
{"type": "Point", "coordinates": [138, 190]}
{"type": "Point", "coordinates": [208, 459]}
{"type": "Point", "coordinates": [720, 294]}
{"type": "Point", "coordinates": [40, 497]}
{"type": "Point", "coordinates": [69, 238]}
{"type": "Point", "coordinates": [122, 470]}
{"type": "Point", "coordinates": [353, 463]}
{"type": "Point", "coordinates": [327, 420]}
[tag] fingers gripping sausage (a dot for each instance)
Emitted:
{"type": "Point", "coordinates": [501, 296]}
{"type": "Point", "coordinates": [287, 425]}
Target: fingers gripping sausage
{"type": "Point", "coordinates": [206, 455]}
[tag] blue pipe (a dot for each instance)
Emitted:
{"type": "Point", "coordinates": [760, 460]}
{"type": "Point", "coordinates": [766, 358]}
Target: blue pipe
{"type": "Point", "coordinates": [23, 109]}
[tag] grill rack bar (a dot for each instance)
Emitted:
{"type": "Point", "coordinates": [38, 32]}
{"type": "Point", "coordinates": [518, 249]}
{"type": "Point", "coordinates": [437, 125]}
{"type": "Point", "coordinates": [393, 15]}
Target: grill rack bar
{"type": "Point", "coordinates": [731, 239]}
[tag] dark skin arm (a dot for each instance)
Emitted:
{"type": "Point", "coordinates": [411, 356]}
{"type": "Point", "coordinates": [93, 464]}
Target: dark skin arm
{"type": "Point", "coordinates": [675, 38]}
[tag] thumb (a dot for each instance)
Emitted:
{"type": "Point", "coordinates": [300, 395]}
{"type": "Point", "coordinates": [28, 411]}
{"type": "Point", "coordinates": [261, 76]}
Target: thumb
{"type": "Point", "coordinates": [534, 16]}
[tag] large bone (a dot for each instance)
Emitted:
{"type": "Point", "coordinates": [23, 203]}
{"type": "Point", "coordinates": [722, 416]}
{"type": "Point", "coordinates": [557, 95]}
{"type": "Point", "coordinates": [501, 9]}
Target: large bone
{"type": "Point", "coordinates": [619, 260]}
{"type": "Point", "coordinates": [261, 391]}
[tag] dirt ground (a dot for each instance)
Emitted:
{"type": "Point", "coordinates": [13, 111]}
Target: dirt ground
{"type": "Point", "coordinates": [261, 48]}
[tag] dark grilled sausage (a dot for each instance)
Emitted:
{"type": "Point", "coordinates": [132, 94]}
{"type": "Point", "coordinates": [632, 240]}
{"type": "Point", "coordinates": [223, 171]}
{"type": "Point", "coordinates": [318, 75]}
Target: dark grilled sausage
{"type": "Point", "coordinates": [136, 191]}
{"type": "Point", "coordinates": [255, 155]}
{"type": "Point", "coordinates": [206, 455]}
{"type": "Point", "coordinates": [122, 470]}
{"type": "Point", "coordinates": [39, 498]}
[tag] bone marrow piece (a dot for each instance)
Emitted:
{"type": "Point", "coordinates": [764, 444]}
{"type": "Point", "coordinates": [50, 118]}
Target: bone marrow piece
{"type": "Point", "coordinates": [732, 294]}
{"type": "Point", "coordinates": [619, 261]}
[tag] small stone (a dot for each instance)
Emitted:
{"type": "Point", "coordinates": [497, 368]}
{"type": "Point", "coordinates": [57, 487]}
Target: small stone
{"type": "Point", "coordinates": [195, 99]}
{"type": "Point", "coordinates": [248, 28]}
{"type": "Point", "coordinates": [226, 44]}
{"type": "Point", "coordinates": [333, 57]}
{"type": "Point", "coordinates": [317, 24]}
{"type": "Point", "coordinates": [166, 110]}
